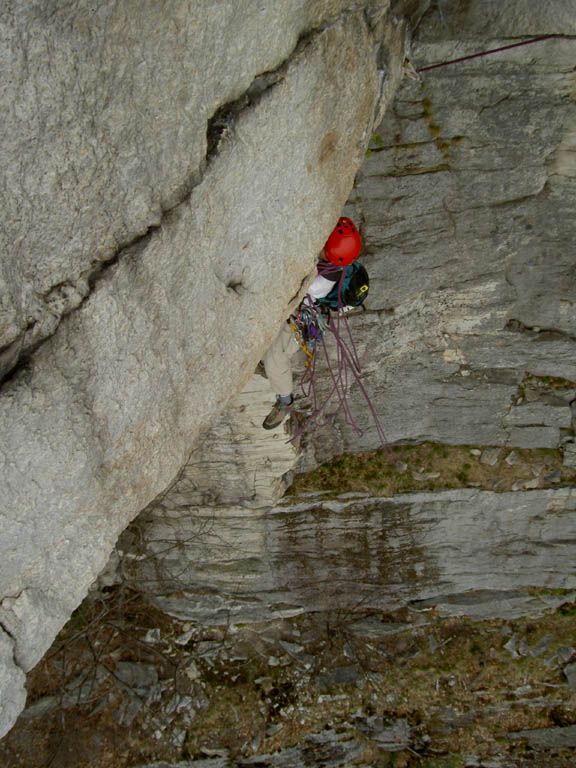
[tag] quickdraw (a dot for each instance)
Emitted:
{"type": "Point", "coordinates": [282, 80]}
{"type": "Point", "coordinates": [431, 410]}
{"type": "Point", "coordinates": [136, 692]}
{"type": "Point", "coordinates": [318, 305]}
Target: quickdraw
{"type": "Point", "coordinates": [305, 346]}
{"type": "Point", "coordinates": [308, 326]}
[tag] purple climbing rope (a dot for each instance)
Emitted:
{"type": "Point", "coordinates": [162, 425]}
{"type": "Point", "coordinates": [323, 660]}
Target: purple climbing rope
{"type": "Point", "coordinates": [342, 372]}
{"type": "Point", "coordinates": [491, 51]}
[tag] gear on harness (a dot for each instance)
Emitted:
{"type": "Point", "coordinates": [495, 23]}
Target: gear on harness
{"type": "Point", "coordinates": [308, 326]}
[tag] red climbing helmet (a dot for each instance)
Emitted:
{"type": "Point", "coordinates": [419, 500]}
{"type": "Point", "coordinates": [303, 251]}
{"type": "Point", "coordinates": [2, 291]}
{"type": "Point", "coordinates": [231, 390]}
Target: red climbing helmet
{"type": "Point", "coordinates": [344, 244]}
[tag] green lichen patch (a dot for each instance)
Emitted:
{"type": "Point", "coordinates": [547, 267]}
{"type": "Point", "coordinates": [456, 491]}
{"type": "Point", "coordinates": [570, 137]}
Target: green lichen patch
{"type": "Point", "coordinates": [436, 466]}
{"type": "Point", "coordinates": [546, 383]}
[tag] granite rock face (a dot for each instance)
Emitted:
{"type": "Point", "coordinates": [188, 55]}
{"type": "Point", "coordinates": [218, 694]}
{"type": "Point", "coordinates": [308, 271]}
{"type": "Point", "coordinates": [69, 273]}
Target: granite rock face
{"type": "Point", "coordinates": [107, 118]}
{"type": "Point", "coordinates": [126, 203]}
{"type": "Point", "coordinates": [465, 206]}
{"type": "Point", "coordinates": [464, 203]}
{"type": "Point", "coordinates": [237, 460]}
{"type": "Point", "coordinates": [12, 681]}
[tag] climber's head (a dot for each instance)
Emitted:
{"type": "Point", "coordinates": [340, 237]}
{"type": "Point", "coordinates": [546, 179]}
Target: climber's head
{"type": "Point", "coordinates": [344, 244]}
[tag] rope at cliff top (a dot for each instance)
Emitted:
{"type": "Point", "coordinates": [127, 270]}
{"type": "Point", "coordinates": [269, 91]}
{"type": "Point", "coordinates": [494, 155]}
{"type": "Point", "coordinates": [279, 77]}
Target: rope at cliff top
{"type": "Point", "coordinates": [491, 51]}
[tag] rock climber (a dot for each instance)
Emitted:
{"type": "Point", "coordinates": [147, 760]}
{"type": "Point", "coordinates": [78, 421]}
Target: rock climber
{"type": "Point", "coordinates": [341, 249]}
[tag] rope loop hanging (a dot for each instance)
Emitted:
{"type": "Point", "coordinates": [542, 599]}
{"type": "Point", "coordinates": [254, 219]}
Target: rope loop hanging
{"type": "Point", "coordinates": [327, 337]}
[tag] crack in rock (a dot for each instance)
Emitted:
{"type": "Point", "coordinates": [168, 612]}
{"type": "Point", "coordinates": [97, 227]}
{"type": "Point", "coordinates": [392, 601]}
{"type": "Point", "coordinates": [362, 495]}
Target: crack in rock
{"type": "Point", "coordinates": [219, 129]}
{"type": "Point", "coordinates": [538, 333]}
{"type": "Point", "coordinates": [4, 628]}
{"type": "Point", "coordinates": [13, 680]}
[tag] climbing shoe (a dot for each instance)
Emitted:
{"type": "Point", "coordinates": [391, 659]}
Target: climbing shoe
{"type": "Point", "coordinates": [277, 414]}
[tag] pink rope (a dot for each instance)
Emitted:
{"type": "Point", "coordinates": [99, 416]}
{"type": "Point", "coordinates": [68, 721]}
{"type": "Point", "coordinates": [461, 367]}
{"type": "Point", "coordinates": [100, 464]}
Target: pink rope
{"type": "Point", "coordinates": [347, 364]}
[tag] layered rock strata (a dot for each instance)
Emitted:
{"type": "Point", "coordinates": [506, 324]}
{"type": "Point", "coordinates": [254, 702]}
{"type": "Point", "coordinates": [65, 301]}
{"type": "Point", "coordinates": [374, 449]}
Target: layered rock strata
{"type": "Point", "coordinates": [463, 552]}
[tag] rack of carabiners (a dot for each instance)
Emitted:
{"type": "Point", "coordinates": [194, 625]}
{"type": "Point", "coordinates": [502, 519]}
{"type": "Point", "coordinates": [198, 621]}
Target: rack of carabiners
{"type": "Point", "coordinates": [308, 325]}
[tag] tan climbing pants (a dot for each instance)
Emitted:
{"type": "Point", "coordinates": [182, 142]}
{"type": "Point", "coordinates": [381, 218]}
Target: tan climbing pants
{"type": "Point", "coordinates": [278, 361]}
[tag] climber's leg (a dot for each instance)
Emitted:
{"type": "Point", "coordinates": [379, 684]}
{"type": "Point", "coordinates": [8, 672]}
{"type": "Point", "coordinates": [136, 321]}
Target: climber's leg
{"type": "Point", "coordinates": [278, 366]}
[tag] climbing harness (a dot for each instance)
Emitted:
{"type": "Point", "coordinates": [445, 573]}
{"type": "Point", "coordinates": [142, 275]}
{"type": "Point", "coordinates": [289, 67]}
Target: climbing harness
{"type": "Point", "coordinates": [308, 327]}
